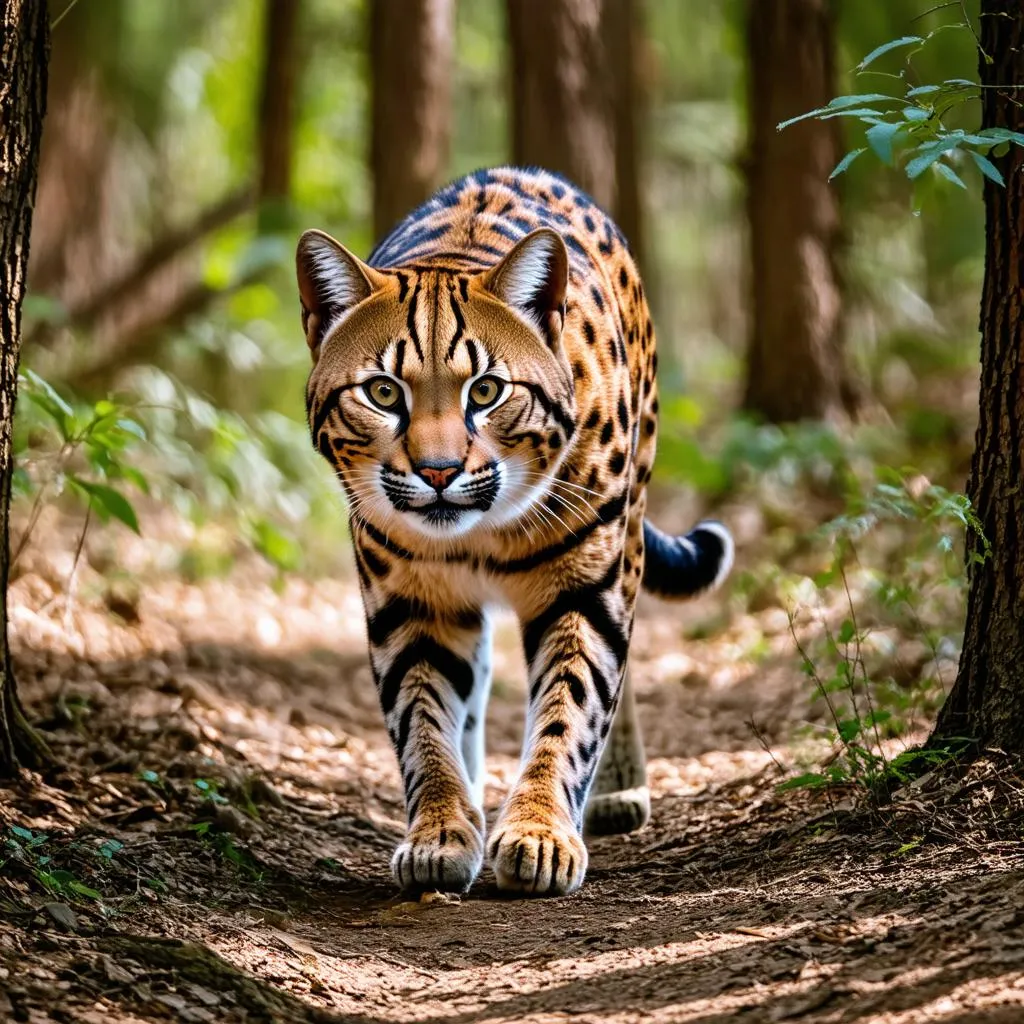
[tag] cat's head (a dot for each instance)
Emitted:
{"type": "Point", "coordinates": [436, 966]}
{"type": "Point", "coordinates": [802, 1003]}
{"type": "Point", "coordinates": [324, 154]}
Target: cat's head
{"type": "Point", "coordinates": [442, 398]}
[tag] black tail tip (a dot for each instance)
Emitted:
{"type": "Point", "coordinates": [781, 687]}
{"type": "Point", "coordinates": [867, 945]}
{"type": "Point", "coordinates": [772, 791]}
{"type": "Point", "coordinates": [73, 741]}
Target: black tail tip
{"type": "Point", "coordinates": [690, 564]}
{"type": "Point", "coordinates": [716, 548]}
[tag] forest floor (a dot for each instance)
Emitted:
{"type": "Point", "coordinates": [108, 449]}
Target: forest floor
{"type": "Point", "coordinates": [215, 844]}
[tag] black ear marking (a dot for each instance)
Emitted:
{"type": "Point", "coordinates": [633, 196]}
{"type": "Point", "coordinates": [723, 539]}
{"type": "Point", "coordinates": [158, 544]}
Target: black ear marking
{"type": "Point", "coordinates": [532, 279]}
{"type": "Point", "coordinates": [331, 282]}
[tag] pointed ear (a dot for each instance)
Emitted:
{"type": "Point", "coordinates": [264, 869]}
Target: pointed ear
{"type": "Point", "coordinates": [331, 282]}
{"type": "Point", "coordinates": [532, 280]}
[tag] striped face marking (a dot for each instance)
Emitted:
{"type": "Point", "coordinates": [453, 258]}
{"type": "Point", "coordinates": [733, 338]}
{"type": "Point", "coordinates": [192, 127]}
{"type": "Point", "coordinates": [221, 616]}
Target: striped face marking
{"type": "Point", "coordinates": [442, 399]}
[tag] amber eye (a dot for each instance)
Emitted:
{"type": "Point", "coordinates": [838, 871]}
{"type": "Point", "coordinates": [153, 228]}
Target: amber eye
{"type": "Point", "coordinates": [486, 391]}
{"type": "Point", "coordinates": [383, 392]}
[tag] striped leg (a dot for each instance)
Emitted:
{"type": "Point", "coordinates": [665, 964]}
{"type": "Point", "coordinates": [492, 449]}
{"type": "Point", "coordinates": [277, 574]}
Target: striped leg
{"type": "Point", "coordinates": [620, 800]}
{"type": "Point", "coordinates": [426, 667]}
{"type": "Point", "coordinates": [576, 650]}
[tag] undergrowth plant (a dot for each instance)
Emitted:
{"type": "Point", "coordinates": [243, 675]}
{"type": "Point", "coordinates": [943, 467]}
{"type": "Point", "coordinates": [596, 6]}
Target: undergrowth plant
{"type": "Point", "coordinates": [172, 445]}
{"type": "Point", "coordinates": [917, 585]}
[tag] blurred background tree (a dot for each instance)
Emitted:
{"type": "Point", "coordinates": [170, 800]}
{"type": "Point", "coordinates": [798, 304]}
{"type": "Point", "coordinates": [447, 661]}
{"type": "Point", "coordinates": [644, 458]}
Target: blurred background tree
{"type": "Point", "coordinates": [410, 134]}
{"type": "Point", "coordinates": [796, 361]}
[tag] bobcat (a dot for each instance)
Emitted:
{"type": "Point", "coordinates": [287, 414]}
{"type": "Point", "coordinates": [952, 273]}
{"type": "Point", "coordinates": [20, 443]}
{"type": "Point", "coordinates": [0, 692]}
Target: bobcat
{"type": "Point", "coordinates": [484, 387]}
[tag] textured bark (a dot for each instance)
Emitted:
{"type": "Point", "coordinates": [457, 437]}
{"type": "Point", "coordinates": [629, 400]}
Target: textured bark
{"type": "Point", "coordinates": [986, 703]}
{"type": "Point", "coordinates": [277, 109]}
{"type": "Point", "coordinates": [561, 103]}
{"type": "Point", "coordinates": [795, 361]}
{"type": "Point", "coordinates": [24, 52]}
{"type": "Point", "coordinates": [622, 31]}
{"type": "Point", "coordinates": [411, 59]}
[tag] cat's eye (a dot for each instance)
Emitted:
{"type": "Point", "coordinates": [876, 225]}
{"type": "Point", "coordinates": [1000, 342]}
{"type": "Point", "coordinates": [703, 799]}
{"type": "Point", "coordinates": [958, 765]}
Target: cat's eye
{"type": "Point", "coordinates": [383, 392]}
{"type": "Point", "coordinates": [486, 391]}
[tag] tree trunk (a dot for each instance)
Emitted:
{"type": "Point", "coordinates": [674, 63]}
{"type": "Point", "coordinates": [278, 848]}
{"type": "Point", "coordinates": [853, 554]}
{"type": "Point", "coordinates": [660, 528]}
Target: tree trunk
{"type": "Point", "coordinates": [622, 33]}
{"type": "Point", "coordinates": [411, 56]}
{"type": "Point", "coordinates": [795, 360]}
{"type": "Point", "coordinates": [24, 52]}
{"type": "Point", "coordinates": [561, 100]}
{"type": "Point", "coordinates": [277, 111]}
{"type": "Point", "coordinates": [987, 701]}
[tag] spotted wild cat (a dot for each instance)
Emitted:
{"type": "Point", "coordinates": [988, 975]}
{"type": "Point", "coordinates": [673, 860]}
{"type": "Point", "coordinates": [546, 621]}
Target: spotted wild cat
{"type": "Point", "coordinates": [484, 386]}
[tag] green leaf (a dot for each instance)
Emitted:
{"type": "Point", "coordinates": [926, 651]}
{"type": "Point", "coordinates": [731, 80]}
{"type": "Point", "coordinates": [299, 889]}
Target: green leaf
{"type": "Point", "coordinates": [987, 168]}
{"type": "Point", "coordinates": [849, 729]}
{"type": "Point", "coordinates": [917, 114]}
{"type": "Point", "coordinates": [846, 632]}
{"type": "Point", "coordinates": [807, 780]}
{"type": "Point", "coordinates": [109, 847]}
{"type": "Point", "coordinates": [844, 165]}
{"type": "Point", "coordinates": [136, 476]}
{"type": "Point", "coordinates": [929, 153]}
{"type": "Point", "coordinates": [881, 136]}
{"type": "Point", "coordinates": [83, 890]}
{"type": "Point", "coordinates": [46, 388]}
{"type": "Point", "coordinates": [893, 44]}
{"type": "Point", "coordinates": [857, 99]}
{"type": "Point", "coordinates": [949, 174]}
{"type": "Point", "coordinates": [1003, 135]}
{"type": "Point", "coordinates": [109, 502]}
{"type": "Point", "coordinates": [907, 847]}
{"type": "Point", "coordinates": [923, 90]}
{"type": "Point", "coordinates": [276, 547]}
{"type": "Point", "coordinates": [825, 113]}
{"type": "Point", "coordinates": [132, 427]}
{"type": "Point", "coordinates": [861, 112]}
{"type": "Point", "coordinates": [21, 833]}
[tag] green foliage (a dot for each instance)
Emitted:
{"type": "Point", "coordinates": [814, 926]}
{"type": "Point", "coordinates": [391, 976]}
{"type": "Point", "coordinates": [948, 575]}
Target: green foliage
{"type": "Point", "coordinates": [908, 125]}
{"type": "Point", "coordinates": [255, 474]}
{"type": "Point", "coordinates": [748, 452]}
{"type": "Point", "coordinates": [225, 846]}
{"type": "Point", "coordinates": [866, 708]}
{"type": "Point", "coordinates": [26, 850]}
{"type": "Point", "coordinates": [86, 450]}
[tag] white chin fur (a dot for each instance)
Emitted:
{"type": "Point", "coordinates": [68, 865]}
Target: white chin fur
{"type": "Point", "coordinates": [444, 531]}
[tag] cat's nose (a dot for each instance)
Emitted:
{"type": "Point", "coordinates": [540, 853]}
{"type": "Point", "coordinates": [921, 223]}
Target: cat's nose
{"type": "Point", "coordinates": [439, 474]}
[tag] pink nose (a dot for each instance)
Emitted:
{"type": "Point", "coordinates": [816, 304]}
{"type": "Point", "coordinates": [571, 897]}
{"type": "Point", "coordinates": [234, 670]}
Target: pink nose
{"type": "Point", "coordinates": [439, 476]}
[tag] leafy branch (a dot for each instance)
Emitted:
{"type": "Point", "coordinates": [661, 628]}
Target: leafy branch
{"type": "Point", "coordinates": [909, 129]}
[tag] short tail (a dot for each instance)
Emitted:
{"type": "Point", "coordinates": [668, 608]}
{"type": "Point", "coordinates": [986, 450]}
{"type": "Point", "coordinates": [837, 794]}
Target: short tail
{"type": "Point", "coordinates": [683, 566]}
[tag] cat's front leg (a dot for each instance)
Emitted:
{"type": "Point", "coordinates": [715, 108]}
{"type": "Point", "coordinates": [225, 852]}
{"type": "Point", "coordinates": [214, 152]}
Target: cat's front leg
{"type": "Point", "coordinates": [576, 650]}
{"type": "Point", "coordinates": [428, 663]}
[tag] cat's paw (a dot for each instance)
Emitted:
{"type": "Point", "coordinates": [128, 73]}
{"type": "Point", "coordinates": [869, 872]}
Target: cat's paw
{"type": "Point", "coordinates": [445, 858]}
{"type": "Point", "coordinates": [536, 858]}
{"type": "Point", "coordinates": [611, 814]}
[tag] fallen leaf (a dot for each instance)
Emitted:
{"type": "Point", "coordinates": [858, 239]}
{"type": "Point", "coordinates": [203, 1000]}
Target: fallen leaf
{"type": "Point", "coordinates": [63, 915]}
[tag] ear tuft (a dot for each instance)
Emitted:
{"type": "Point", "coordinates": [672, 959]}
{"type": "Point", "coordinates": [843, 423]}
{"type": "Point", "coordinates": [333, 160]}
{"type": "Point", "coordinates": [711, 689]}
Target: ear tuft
{"type": "Point", "coordinates": [532, 279]}
{"type": "Point", "coordinates": [331, 282]}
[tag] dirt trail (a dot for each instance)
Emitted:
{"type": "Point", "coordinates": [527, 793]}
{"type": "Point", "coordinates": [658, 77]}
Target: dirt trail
{"type": "Point", "coordinates": [229, 801]}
